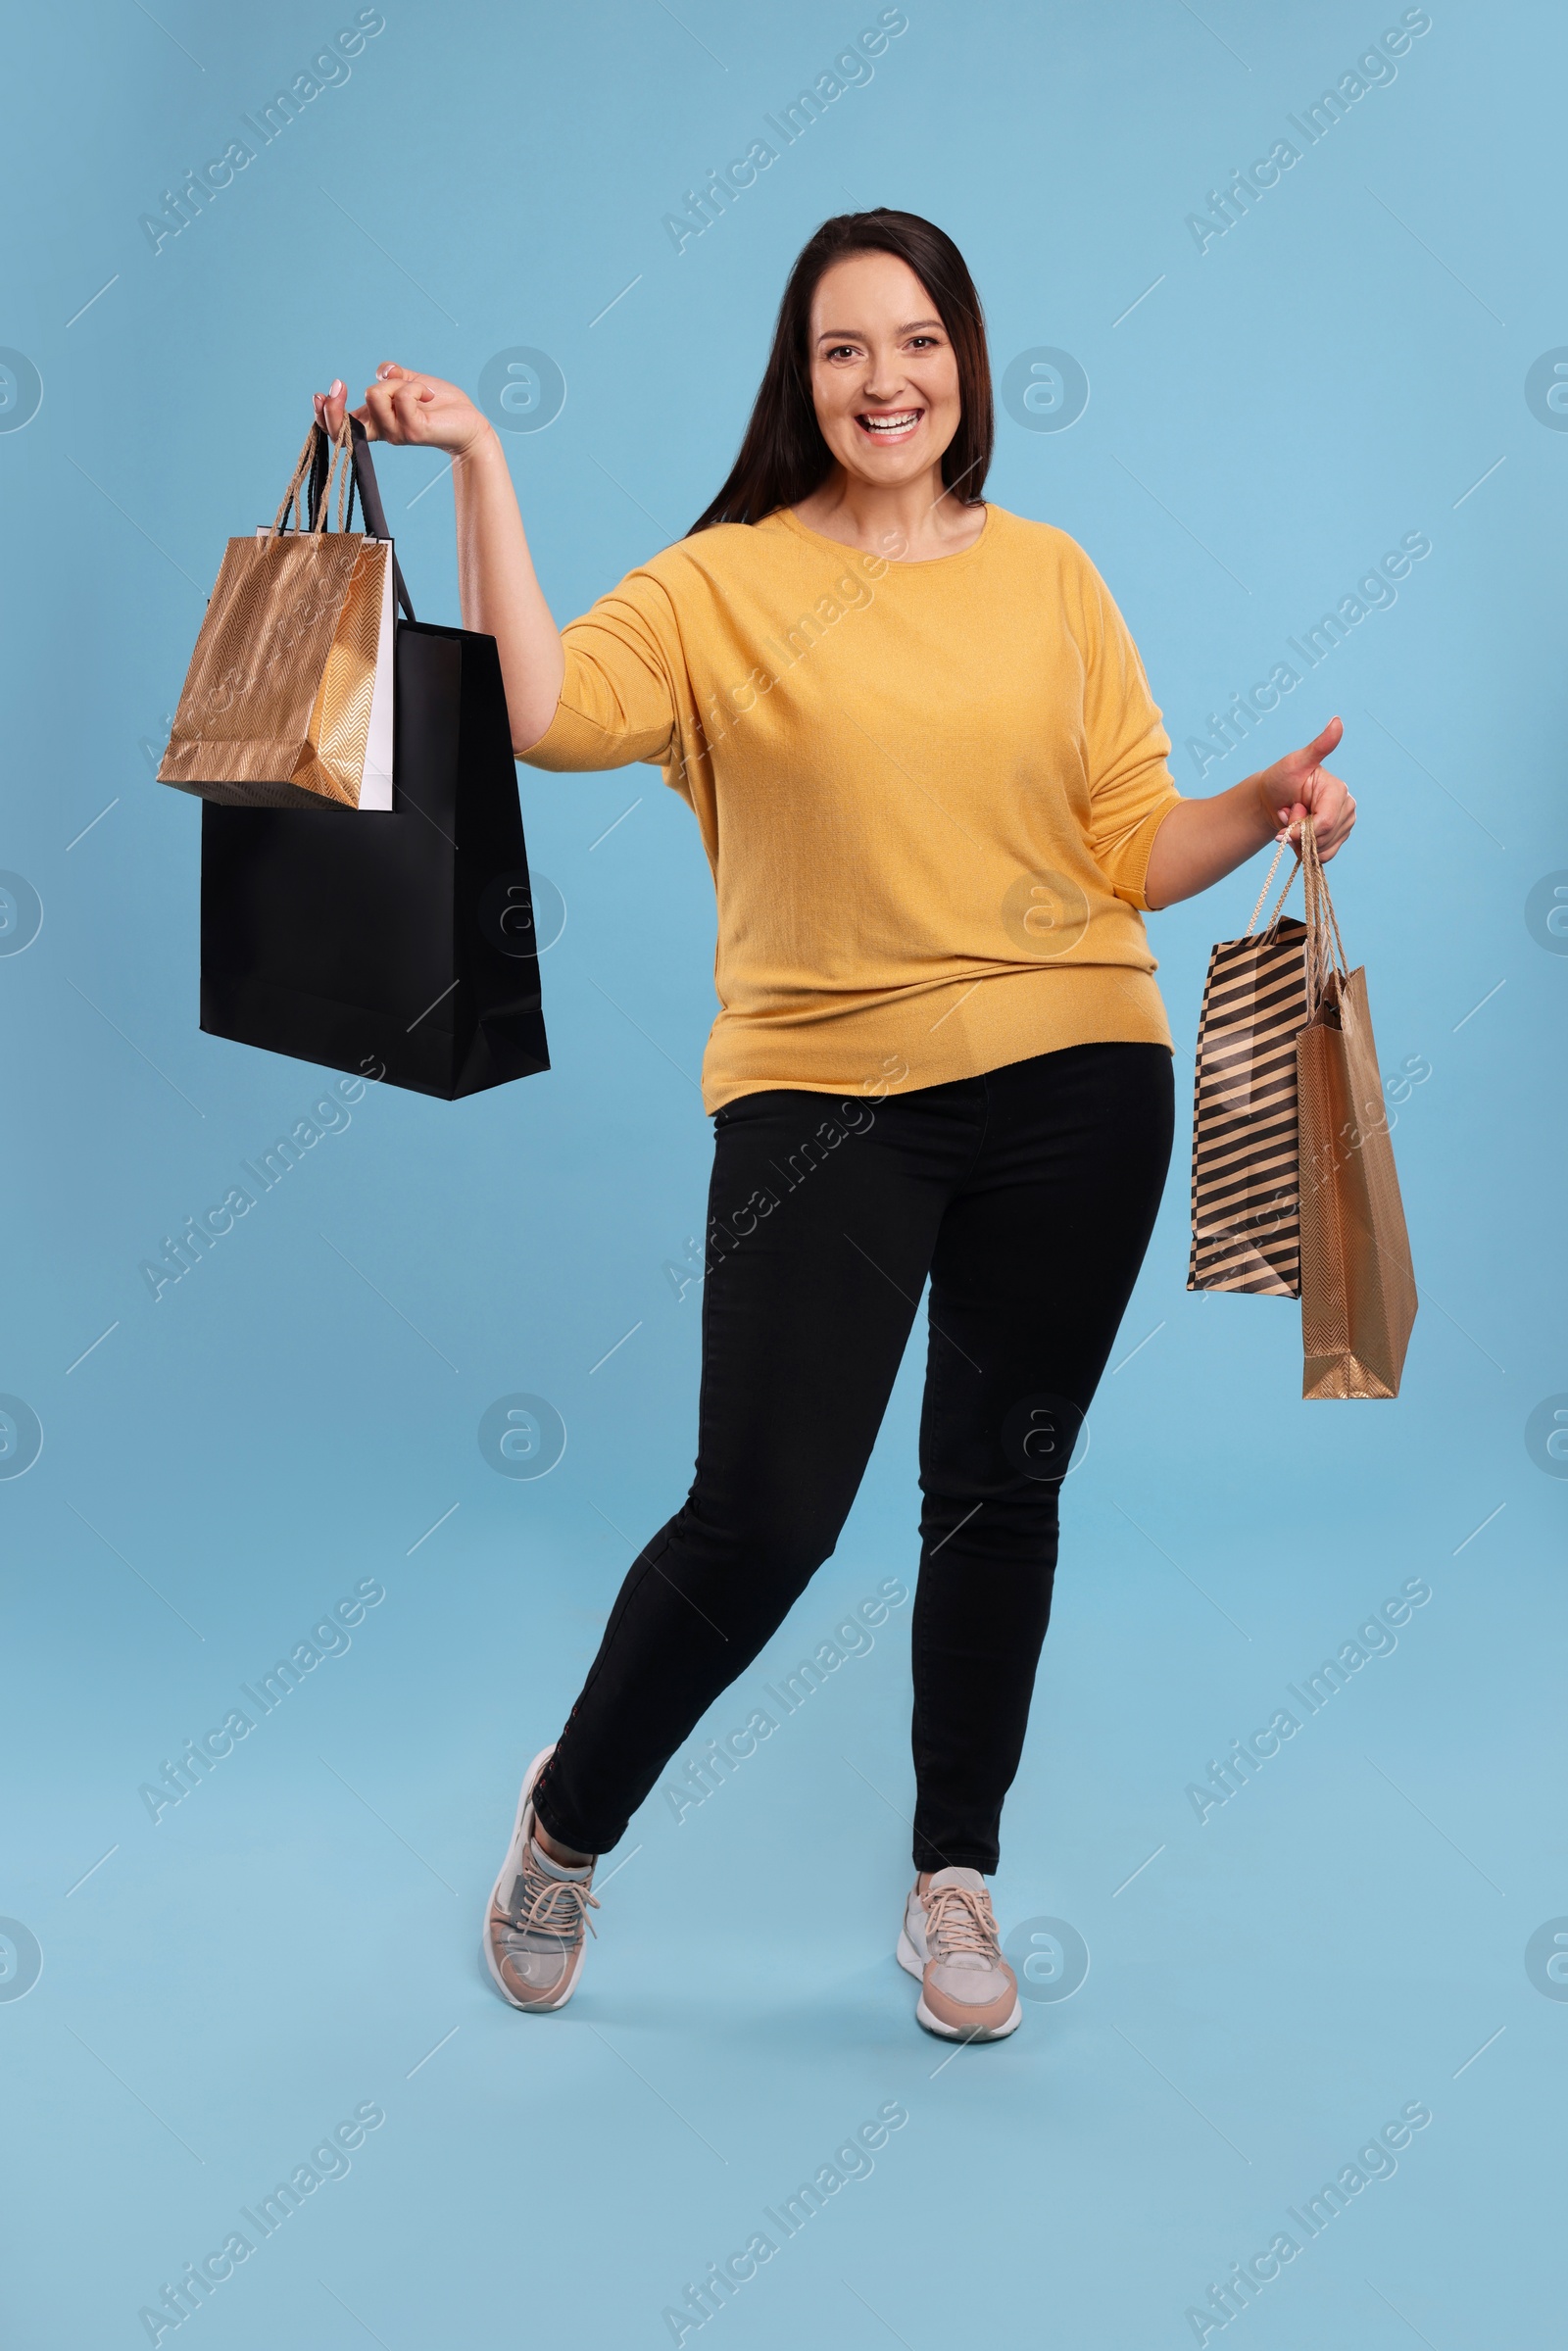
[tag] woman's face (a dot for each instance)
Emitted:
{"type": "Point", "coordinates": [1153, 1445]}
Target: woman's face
{"type": "Point", "coordinates": [884, 375]}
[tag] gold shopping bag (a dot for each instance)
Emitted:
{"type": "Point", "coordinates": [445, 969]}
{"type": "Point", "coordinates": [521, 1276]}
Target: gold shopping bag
{"type": "Point", "coordinates": [288, 698]}
{"type": "Point", "coordinates": [1358, 1292]}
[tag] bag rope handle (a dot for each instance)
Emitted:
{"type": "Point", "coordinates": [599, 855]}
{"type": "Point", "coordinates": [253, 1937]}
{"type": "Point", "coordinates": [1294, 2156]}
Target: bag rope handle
{"type": "Point", "coordinates": [1316, 883]}
{"type": "Point", "coordinates": [342, 448]}
{"type": "Point", "coordinates": [342, 452]}
{"type": "Point", "coordinates": [1325, 948]}
{"type": "Point", "coordinates": [1268, 883]}
{"type": "Point", "coordinates": [1328, 902]}
{"type": "Point", "coordinates": [297, 476]}
{"type": "Point", "coordinates": [345, 480]}
{"type": "Point", "coordinates": [358, 477]}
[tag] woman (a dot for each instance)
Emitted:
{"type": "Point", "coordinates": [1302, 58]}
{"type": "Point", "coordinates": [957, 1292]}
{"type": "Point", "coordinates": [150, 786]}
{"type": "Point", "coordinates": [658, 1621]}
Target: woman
{"type": "Point", "coordinates": [932, 787]}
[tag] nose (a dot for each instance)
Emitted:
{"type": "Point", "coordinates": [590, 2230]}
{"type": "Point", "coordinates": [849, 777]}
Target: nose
{"type": "Point", "coordinates": [883, 381]}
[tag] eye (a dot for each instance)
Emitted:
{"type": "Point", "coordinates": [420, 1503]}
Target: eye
{"type": "Point", "coordinates": [929, 340]}
{"type": "Point", "coordinates": [839, 351]}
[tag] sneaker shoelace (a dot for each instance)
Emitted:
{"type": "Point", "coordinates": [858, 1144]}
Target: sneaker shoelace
{"type": "Point", "coordinates": [553, 1906]}
{"type": "Point", "coordinates": [959, 1925]}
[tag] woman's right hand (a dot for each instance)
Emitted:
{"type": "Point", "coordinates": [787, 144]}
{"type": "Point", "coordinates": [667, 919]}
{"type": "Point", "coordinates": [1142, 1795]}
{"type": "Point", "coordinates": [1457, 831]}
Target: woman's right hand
{"type": "Point", "coordinates": [409, 407]}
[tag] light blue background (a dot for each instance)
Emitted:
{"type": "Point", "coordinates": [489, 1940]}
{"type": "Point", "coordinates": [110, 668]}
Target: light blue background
{"type": "Point", "coordinates": [1340, 369]}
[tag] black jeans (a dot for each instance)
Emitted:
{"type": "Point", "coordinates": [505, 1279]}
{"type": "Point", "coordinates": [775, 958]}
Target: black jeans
{"type": "Point", "coordinates": [1027, 1196]}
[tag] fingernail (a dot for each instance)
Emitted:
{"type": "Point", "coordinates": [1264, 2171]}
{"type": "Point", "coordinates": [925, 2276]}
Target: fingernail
{"type": "Point", "coordinates": [337, 385]}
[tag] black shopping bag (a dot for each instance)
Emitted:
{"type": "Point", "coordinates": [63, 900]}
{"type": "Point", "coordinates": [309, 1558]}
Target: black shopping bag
{"type": "Point", "coordinates": [397, 944]}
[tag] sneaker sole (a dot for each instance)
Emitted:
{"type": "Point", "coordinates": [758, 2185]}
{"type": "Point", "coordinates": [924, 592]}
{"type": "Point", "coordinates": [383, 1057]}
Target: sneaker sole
{"type": "Point", "coordinates": [910, 1961]}
{"type": "Point", "coordinates": [559, 1998]}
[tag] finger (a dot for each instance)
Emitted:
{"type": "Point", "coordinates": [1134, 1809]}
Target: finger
{"type": "Point", "coordinates": [407, 392]}
{"type": "Point", "coordinates": [411, 406]}
{"type": "Point", "coordinates": [329, 407]}
{"type": "Point", "coordinates": [1323, 784]}
{"type": "Point", "coordinates": [1299, 763]}
{"type": "Point", "coordinates": [380, 398]}
{"type": "Point", "coordinates": [1339, 832]}
{"type": "Point", "coordinates": [1324, 807]}
{"type": "Point", "coordinates": [378, 405]}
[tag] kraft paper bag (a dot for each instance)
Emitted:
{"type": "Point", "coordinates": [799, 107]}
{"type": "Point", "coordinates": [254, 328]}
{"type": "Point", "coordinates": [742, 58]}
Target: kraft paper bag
{"type": "Point", "coordinates": [1358, 1289]}
{"type": "Point", "coordinates": [289, 694]}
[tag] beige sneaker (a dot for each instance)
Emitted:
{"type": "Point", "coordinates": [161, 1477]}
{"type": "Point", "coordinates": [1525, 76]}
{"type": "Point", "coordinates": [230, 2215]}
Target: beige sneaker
{"type": "Point", "coordinates": [534, 1941]}
{"type": "Point", "coordinates": [949, 1939]}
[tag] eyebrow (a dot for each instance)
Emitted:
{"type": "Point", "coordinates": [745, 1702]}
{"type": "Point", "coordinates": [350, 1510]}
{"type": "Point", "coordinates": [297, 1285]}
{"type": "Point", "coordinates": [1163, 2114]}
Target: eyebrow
{"type": "Point", "coordinates": [852, 334]}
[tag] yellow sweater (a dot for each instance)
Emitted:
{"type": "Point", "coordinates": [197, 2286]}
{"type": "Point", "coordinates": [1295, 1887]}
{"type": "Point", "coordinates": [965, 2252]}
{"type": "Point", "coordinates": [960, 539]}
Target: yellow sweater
{"type": "Point", "coordinates": [927, 792]}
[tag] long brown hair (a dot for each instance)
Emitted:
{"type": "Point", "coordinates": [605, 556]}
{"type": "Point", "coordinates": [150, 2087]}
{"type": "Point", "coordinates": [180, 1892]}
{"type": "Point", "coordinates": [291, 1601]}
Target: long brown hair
{"type": "Point", "coordinates": [783, 457]}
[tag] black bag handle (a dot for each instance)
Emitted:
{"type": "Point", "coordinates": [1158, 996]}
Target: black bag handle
{"type": "Point", "coordinates": [365, 482]}
{"type": "Point", "coordinates": [371, 504]}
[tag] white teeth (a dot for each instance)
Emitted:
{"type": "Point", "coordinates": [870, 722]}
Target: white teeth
{"type": "Point", "coordinates": [891, 423]}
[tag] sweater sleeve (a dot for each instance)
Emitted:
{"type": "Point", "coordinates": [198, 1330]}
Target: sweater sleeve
{"type": "Point", "coordinates": [619, 696]}
{"type": "Point", "coordinates": [1131, 789]}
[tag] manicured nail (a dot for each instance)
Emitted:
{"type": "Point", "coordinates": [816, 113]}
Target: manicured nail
{"type": "Point", "coordinates": [337, 385]}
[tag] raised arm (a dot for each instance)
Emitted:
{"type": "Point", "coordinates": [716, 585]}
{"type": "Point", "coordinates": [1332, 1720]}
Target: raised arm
{"type": "Point", "coordinates": [1194, 843]}
{"type": "Point", "coordinates": [500, 592]}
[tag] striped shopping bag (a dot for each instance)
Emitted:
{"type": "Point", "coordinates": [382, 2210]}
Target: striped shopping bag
{"type": "Point", "coordinates": [1247, 1220]}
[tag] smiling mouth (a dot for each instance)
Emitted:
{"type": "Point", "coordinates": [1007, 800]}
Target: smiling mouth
{"type": "Point", "coordinates": [892, 425]}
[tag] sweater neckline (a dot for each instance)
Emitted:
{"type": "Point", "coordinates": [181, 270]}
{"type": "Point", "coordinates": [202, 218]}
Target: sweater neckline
{"type": "Point", "coordinates": [934, 563]}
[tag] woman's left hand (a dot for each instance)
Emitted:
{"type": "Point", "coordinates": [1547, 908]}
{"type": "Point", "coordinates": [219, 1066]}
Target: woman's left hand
{"type": "Point", "coordinates": [1299, 785]}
